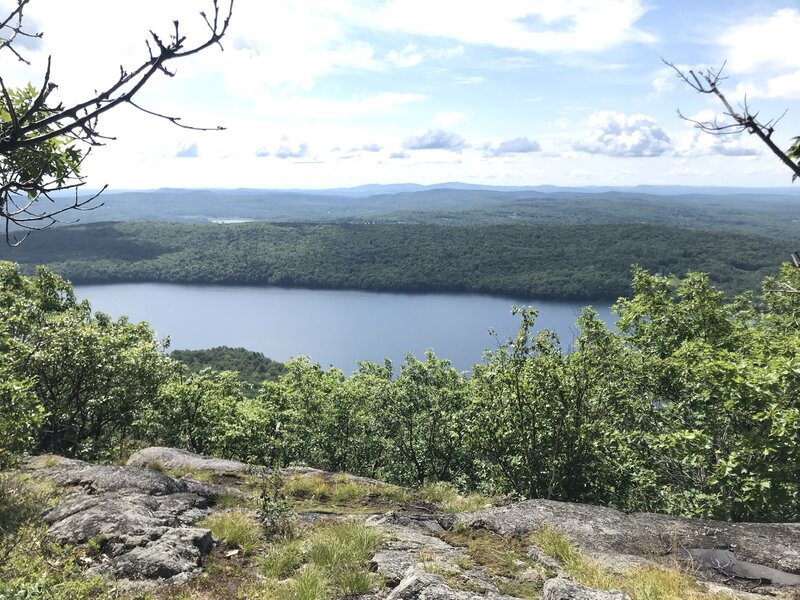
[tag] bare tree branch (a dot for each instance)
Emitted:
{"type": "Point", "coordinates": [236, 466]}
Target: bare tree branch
{"type": "Point", "coordinates": [38, 151]}
{"type": "Point", "coordinates": [708, 82]}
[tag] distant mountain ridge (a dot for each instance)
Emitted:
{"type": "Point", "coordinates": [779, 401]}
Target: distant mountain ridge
{"type": "Point", "coordinates": [373, 189]}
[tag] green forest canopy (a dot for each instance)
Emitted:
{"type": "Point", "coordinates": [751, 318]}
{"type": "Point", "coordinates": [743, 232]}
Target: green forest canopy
{"type": "Point", "coordinates": [585, 262]}
{"type": "Point", "coordinates": [693, 408]}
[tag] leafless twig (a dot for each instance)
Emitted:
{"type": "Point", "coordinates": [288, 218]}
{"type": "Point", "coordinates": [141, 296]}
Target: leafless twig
{"type": "Point", "coordinates": [39, 154]}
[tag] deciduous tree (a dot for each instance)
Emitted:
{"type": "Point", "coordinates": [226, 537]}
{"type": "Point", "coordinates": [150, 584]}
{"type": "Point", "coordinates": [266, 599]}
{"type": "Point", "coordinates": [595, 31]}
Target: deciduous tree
{"type": "Point", "coordinates": [44, 142]}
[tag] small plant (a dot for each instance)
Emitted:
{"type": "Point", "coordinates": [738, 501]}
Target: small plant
{"type": "Point", "coordinates": [236, 528]}
{"type": "Point", "coordinates": [274, 511]}
{"type": "Point", "coordinates": [51, 460]}
{"type": "Point", "coordinates": [155, 465]}
{"type": "Point", "coordinates": [95, 546]}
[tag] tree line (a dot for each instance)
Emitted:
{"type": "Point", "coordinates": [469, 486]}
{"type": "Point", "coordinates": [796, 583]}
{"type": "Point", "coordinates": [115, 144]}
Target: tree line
{"type": "Point", "coordinates": [586, 262]}
{"type": "Point", "coordinates": [691, 408]}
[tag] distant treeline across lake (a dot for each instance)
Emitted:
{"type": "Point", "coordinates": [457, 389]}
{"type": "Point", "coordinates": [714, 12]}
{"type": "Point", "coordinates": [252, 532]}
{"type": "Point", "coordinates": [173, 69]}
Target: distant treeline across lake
{"type": "Point", "coordinates": [581, 262]}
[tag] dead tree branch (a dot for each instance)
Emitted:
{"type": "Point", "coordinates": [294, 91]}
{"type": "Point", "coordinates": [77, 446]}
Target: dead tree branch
{"type": "Point", "coordinates": [42, 141]}
{"type": "Point", "coordinates": [708, 82]}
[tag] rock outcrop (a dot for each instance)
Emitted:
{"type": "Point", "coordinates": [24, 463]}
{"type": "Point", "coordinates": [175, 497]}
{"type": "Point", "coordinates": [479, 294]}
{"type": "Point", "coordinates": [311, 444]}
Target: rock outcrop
{"type": "Point", "coordinates": [172, 459]}
{"type": "Point", "coordinates": [560, 588]}
{"type": "Point", "coordinates": [764, 553]}
{"type": "Point", "coordinates": [142, 525]}
{"type": "Point", "coordinates": [141, 520]}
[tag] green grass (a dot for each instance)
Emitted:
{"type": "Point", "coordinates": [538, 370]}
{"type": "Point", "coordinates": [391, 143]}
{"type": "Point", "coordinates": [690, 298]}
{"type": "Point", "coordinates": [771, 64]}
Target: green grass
{"type": "Point", "coordinates": [33, 570]}
{"type": "Point", "coordinates": [331, 561]}
{"type": "Point", "coordinates": [504, 559]}
{"type": "Point", "coordinates": [236, 528]}
{"type": "Point", "coordinates": [446, 497]}
{"type": "Point", "coordinates": [341, 495]}
{"type": "Point", "coordinates": [155, 465]}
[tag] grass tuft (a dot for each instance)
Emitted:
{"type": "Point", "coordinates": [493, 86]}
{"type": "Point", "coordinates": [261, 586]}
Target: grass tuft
{"type": "Point", "coordinates": [281, 559]}
{"type": "Point", "coordinates": [236, 528]}
{"type": "Point", "coordinates": [331, 562]}
{"type": "Point", "coordinates": [447, 498]}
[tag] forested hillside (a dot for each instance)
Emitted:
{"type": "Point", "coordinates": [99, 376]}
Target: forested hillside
{"type": "Point", "coordinates": [253, 367]}
{"type": "Point", "coordinates": [757, 213]}
{"type": "Point", "coordinates": [691, 409]}
{"type": "Point", "coordinates": [556, 261]}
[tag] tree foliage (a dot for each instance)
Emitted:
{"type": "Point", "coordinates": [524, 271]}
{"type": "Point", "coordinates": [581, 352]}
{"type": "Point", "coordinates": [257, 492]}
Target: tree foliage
{"type": "Point", "coordinates": [554, 261]}
{"type": "Point", "coordinates": [43, 142]}
{"type": "Point", "coordinates": [692, 407]}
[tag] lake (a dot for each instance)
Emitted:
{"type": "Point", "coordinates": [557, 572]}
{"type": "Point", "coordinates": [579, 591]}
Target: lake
{"type": "Point", "coordinates": [332, 327]}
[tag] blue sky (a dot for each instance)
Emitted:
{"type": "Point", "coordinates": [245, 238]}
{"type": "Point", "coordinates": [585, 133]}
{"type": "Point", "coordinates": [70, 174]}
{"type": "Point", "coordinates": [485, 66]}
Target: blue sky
{"type": "Point", "coordinates": [335, 93]}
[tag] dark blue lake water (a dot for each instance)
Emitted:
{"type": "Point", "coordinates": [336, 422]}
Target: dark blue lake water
{"type": "Point", "coordinates": [332, 327]}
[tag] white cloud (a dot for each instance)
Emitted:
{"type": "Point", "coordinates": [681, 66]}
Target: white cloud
{"type": "Point", "coordinates": [535, 25]}
{"type": "Point", "coordinates": [409, 56]}
{"type": "Point", "coordinates": [314, 108]}
{"type": "Point", "coordinates": [763, 42]}
{"type": "Point", "coordinates": [435, 140]}
{"type": "Point", "coordinates": [617, 134]}
{"type": "Point", "coordinates": [520, 145]}
{"type": "Point", "coordinates": [285, 150]}
{"type": "Point", "coordinates": [469, 80]}
{"type": "Point", "coordinates": [782, 87]}
{"type": "Point", "coordinates": [663, 82]}
{"type": "Point", "coordinates": [447, 53]}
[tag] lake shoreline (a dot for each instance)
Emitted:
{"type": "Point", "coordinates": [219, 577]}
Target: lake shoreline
{"type": "Point", "coordinates": [332, 327]}
{"type": "Point", "coordinates": [411, 291]}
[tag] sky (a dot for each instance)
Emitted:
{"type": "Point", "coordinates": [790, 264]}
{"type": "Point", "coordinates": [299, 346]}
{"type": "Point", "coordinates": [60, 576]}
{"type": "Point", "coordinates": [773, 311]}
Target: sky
{"type": "Point", "coordinates": [336, 93]}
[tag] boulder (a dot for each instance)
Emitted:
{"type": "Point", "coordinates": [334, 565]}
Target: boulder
{"type": "Point", "coordinates": [141, 520]}
{"type": "Point", "coordinates": [173, 459]}
{"type": "Point", "coordinates": [419, 585]}
{"type": "Point", "coordinates": [560, 588]}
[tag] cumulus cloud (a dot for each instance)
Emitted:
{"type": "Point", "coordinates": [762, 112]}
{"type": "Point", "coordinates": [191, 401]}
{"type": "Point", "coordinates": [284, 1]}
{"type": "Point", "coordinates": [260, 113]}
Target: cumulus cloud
{"type": "Point", "coordinates": [782, 87]}
{"type": "Point", "coordinates": [187, 151]}
{"type": "Point", "coordinates": [763, 42]}
{"type": "Point", "coordinates": [369, 148]}
{"type": "Point", "coordinates": [285, 150]}
{"type": "Point", "coordinates": [399, 155]}
{"type": "Point", "coordinates": [617, 134]}
{"type": "Point", "coordinates": [699, 143]}
{"type": "Point", "coordinates": [520, 145]}
{"type": "Point", "coordinates": [438, 139]}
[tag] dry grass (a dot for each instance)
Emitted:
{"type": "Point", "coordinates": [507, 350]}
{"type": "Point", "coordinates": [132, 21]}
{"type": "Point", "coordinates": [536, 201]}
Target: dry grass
{"type": "Point", "coordinates": [642, 583]}
{"type": "Point", "coordinates": [446, 498]}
